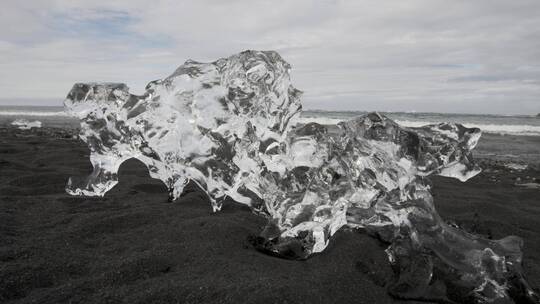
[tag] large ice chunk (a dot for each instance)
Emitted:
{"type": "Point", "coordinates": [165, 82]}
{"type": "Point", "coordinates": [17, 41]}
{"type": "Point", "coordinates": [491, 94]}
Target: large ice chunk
{"type": "Point", "coordinates": [230, 127]}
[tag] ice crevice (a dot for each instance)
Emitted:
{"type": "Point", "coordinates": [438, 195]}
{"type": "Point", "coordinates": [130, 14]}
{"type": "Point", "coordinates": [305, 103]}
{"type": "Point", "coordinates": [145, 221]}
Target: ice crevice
{"type": "Point", "coordinates": [231, 127]}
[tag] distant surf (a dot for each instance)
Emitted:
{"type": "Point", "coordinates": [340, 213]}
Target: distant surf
{"type": "Point", "coordinates": [497, 124]}
{"type": "Point", "coordinates": [25, 111]}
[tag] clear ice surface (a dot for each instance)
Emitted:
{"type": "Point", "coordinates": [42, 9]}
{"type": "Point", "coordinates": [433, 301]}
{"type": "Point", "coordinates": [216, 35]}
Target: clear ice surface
{"type": "Point", "coordinates": [230, 127]}
{"type": "Point", "coordinates": [24, 124]}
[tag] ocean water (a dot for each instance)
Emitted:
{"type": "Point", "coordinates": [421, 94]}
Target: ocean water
{"type": "Point", "coordinates": [498, 124]}
{"type": "Point", "coordinates": [48, 116]}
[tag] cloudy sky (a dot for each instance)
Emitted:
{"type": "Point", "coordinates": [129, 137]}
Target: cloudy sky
{"type": "Point", "coordinates": [432, 56]}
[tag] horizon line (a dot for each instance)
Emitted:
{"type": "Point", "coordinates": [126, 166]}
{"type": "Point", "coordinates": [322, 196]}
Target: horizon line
{"type": "Point", "coordinates": [60, 105]}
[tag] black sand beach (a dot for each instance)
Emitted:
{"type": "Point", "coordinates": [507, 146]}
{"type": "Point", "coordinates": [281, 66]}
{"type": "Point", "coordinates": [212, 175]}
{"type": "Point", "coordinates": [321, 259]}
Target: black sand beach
{"type": "Point", "coordinates": [132, 246]}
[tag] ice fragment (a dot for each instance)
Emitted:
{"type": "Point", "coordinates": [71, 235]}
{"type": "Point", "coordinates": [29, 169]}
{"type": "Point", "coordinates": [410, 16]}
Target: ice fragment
{"type": "Point", "coordinates": [230, 127]}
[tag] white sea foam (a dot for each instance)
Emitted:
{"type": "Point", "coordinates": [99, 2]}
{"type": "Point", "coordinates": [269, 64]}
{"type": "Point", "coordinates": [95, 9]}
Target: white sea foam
{"type": "Point", "coordinates": [320, 120]}
{"type": "Point", "coordinates": [487, 128]}
{"type": "Point", "coordinates": [31, 113]}
{"type": "Point", "coordinates": [515, 166]}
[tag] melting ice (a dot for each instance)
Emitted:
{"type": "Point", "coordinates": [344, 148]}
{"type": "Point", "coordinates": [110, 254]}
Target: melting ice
{"type": "Point", "coordinates": [230, 127]}
{"type": "Point", "coordinates": [24, 124]}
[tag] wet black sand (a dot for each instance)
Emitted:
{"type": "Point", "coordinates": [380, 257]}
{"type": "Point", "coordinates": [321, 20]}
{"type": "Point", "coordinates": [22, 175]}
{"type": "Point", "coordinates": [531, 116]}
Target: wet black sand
{"type": "Point", "coordinates": [133, 247]}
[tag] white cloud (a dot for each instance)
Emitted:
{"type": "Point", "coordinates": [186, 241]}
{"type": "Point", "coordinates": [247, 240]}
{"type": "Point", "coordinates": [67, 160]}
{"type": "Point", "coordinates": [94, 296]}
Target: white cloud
{"type": "Point", "coordinates": [458, 56]}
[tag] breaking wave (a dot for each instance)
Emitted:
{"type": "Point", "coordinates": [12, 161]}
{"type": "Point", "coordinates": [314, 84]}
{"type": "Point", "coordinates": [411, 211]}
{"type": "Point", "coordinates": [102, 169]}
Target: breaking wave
{"type": "Point", "coordinates": [32, 113]}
